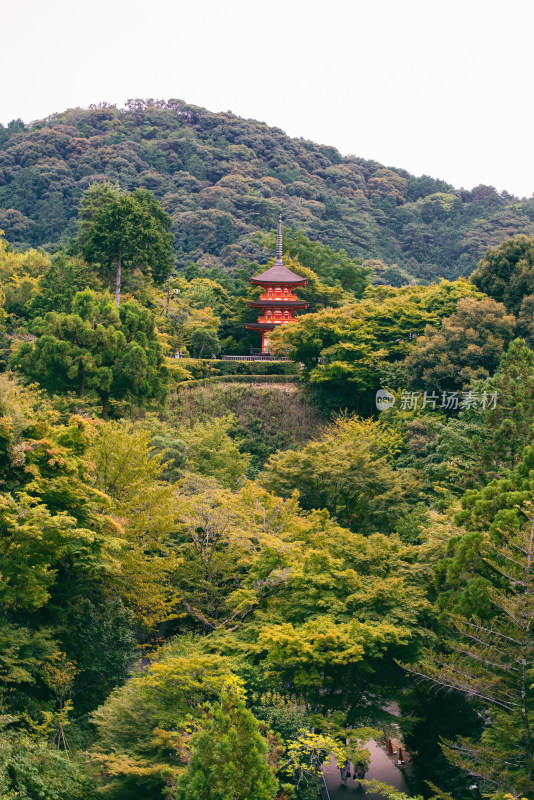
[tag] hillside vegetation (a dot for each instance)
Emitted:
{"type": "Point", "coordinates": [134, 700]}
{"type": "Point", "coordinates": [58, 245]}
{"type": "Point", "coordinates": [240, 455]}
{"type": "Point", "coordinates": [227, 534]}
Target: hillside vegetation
{"type": "Point", "coordinates": [216, 575]}
{"type": "Point", "coordinates": [224, 179]}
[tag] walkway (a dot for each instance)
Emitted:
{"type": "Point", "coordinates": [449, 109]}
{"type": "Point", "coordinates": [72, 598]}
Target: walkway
{"type": "Point", "coordinates": [381, 769]}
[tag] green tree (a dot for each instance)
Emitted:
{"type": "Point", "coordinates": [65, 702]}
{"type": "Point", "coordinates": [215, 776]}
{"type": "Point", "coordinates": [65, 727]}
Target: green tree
{"type": "Point", "coordinates": [205, 340]}
{"type": "Point", "coordinates": [128, 230]}
{"type": "Point", "coordinates": [228, 754]}
{"type": "Point", "coordinates": [492, 661]}
{"type": "Point", "coordinates": [30, 768]}
{"type": "Point", "coordinates": [114, 352]}
{"type": "Point", "coordinates": [511, 421]}
{"type": "Point", "coordinates": [334, 267]}
{"type": "Point", "coordinates": [468, 346]}
{"type": "Point", "coordinates": [349, 472]}
{"type": "Point", "coordinates": [349, 354]}
{"type": "Point", "coordinates": [144, 727]}
{"type": "Point", "coordinates": [506, 273]}
{"type": "Point", "coordinates": [211, 451]}
{"type": "Point", "coordinates": [62, 280]}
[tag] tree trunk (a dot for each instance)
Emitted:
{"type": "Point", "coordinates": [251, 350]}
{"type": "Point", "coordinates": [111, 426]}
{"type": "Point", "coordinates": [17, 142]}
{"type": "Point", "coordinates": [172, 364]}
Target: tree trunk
{"type": "Point", "coordinates": [168, 293]}
{"type": "Point", "coordinates": [105, 407]}
{"type": "Point", "coordinates": [118, 282]}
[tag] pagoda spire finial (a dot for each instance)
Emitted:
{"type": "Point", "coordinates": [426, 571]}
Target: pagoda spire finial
{"type": "Point", "coordinates": [279, 243]}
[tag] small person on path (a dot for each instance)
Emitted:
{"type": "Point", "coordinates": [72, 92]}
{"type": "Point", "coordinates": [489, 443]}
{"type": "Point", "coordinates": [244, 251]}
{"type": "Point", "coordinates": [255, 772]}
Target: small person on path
{"type": "Point", "coordinates": [345, 772]}
{"type": "Point", "coordinates": [359, 773]}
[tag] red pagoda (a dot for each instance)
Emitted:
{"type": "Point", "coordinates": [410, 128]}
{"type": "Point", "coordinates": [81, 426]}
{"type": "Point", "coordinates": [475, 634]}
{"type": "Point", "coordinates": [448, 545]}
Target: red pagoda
{"type": "Point", "coordinates": [277, 302]}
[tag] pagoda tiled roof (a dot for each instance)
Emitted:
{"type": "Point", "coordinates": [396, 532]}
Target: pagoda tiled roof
{"type": "Point", "coordinates": [278, 274]}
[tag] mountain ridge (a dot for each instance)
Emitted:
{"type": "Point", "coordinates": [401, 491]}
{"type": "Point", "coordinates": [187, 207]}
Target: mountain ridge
{"type": "Point", "coordinates": [224, 179]}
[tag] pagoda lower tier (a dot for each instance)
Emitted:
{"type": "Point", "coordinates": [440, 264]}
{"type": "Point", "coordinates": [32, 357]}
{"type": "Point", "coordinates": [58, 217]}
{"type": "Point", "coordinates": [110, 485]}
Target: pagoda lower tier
{"type": "Point", "coordinates": [277, 310]}
{"type": "Point", "coordinates": [265, 325]}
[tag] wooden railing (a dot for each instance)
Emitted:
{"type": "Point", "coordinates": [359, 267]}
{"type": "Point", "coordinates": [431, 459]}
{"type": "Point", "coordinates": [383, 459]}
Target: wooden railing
{"type": "Point", "coordinates": [256, 357]}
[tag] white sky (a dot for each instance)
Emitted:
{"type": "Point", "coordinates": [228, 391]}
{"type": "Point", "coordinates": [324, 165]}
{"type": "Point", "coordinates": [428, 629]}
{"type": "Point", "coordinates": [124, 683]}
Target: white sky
{"type": "Point", "coordinates": [441, 87]}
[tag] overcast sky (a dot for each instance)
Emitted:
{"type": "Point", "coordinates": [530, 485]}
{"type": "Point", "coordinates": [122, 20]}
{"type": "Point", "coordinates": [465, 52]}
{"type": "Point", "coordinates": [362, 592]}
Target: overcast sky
{"type": "Point", "coordinates": [437, 87]}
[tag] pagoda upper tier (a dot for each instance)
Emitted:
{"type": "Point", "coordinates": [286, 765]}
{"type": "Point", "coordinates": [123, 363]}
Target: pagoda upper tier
{"type": "Point", "coordinates": [277, 301]}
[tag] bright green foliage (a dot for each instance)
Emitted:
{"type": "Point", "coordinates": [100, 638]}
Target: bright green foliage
{"type": "Point", "coordinates": [144, 728]}
{"type": "Point", "coordinates": [212, 452]}
{"type": "Point", "coordinates": [361, 344]}
{"type": "Point", "coordinates": [19, 279]}
{"type": "Point", "coordinates": [467, 347]}
{"type": "Point", "coordinates": [347, 472]}
{"type": "Point", "coordinates": [130, 472]}
{"type": "Point", "coordinates": [228, 755]}
{"type": "Point", "coordinates": [144, 531]}
{"type": "Point", "coordinates": [31, 770]}
{"type": "Point", "coordinates": [506, 272]}
{"type": "Point", "coordinates": [309, 752]}
{"type": "Point", "coordinates": [97, 347]}
{"type": "Point", "coordinates": [389, 792]}
{"type": "Point", "coordinates": [236, 551]}
{"type": "Point", "coordinates": [57, 543]}
{"type": "Point", "coordinates": [126, 230]}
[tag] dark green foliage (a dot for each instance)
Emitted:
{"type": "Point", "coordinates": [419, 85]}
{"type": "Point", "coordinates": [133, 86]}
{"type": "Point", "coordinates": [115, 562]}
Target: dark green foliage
{"type": "Point", "coordinates": [428, 716]}
{"type": "Point", "coordinates": [63, 279]}
{"type": "Point", "coordinates": [506, 272]}
{"type": "Point", "coordinates": [488, 653]}
{"type": "Point", "coordinates": [468, 346]}
{"type": "Point", "coordinates": [99, 637]}
{"type": "Point", "coordinates": [32, 770]}
{"type": "Point", "coordinates": [222, 178]}
{"type": "Point", "coordinates": [511, 421]}
{"type": "Point", "coordinates": [114, 352]}
{"type": "Point", "coordinates": [121, 230]}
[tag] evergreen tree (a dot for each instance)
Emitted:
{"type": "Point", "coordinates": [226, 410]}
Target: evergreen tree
{"type": "Point", "coordinates": [229, 755]}
{"type": "Point", "coordinates": [127, 230]}
{"type": "Point", "coordinates": [490, 657]}
{"type": "Point", "coordinates": [114, 352]}
{"type": "Point", "coordinates": [506, 272]}
{"type": "Point", "coordinates": [511, 421]}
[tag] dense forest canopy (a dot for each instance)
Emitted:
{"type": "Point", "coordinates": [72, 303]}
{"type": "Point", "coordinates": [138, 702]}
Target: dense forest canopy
{"type": "Point", "coordinates": [223, 179]}
{"type": "Point", "coordinates": [218, 575]}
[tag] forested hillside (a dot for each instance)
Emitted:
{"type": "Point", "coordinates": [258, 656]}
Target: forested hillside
{"type": "Point", "coordinates": [224, 179]}
{"type": "Point", "coordinates": [219, 576]}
